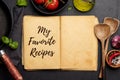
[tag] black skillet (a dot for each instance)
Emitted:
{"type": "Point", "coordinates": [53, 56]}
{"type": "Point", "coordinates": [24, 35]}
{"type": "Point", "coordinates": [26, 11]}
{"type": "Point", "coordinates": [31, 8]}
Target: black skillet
{"type": "Point", "coordinates": [5, 29]}
{"type": "Point", "coordinates": [5, 20]}
{"type": "Point", "coordinates": [41, 8]}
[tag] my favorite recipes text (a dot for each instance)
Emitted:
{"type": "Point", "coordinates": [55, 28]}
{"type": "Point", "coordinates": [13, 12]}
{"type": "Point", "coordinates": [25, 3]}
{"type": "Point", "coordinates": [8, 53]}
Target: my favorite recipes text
{"type": "Point", "coordinates": [48, 40]}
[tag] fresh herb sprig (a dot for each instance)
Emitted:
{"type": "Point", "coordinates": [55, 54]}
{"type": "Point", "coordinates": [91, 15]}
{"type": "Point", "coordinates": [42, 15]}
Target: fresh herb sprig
{"type": "Point", "coordinates": [22, 3]}
{"type": "Point", "coordinates": [8, 41]}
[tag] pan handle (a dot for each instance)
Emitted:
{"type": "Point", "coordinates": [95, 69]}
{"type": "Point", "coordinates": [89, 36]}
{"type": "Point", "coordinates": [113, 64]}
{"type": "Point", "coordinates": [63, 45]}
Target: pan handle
{"type": "Point", "coordinates": [12, 69]}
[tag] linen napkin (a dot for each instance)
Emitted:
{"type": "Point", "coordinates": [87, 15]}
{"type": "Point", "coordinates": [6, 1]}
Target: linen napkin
{"type": "Point", "coordinates": [15, 34]}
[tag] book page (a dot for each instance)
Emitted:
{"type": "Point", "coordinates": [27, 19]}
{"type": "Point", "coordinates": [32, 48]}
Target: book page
{"type": "Point", "coordinates": [79, 47]}
{"type": "Point", "coordinates": [41, 42]}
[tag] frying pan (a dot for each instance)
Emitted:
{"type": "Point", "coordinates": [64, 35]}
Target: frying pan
{"type": "Point", "coordinates": [5, 29]}
{"type": "Point", "coordinates": [5, 20]}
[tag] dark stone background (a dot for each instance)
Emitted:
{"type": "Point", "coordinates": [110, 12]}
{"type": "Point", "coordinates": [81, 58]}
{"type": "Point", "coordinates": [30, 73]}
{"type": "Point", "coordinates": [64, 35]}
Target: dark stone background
{"type": "Point", "coordinates": [102, 8]}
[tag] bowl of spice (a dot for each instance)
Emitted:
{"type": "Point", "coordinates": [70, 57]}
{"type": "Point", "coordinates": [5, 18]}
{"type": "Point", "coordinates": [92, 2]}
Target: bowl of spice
{"type": "Point", "coordinates": [113, 58]}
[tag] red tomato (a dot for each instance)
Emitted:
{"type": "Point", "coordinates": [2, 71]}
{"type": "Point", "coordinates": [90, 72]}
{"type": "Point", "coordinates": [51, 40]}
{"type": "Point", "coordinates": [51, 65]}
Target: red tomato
{"type": "Point", "coordinates": [51, 4]}
{"type": "Point", "coordinates": [39, 1]}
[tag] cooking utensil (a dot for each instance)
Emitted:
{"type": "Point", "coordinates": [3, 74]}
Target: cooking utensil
{"type": "Point", "coordinates": [114, 24]}
{"type": "Point", "coordinates": [5, 28]}
{"type": "Point", "coordinates": [12, 69]}
{"type": "Point", "coordinates": [5, 20]}
{"type": "Point", "coordinates": [102, 32]}
{"type": "Point", "coordinates": [41, 8]}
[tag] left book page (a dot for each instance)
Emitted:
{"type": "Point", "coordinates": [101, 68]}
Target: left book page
{"type": "Point", "coordinates": [41, 42]}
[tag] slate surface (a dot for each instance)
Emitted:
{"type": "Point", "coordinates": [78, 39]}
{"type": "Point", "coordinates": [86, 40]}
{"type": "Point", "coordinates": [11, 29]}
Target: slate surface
{"type": "Point", "coordinates": [103, 8]}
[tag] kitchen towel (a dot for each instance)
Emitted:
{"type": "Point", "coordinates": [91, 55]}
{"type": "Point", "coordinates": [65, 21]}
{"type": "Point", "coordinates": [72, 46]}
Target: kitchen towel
{"type": "Point", "coordinates": [15, 34]}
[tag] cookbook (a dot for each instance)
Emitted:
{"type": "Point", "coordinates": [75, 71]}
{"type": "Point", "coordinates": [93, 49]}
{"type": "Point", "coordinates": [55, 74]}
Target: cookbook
{"type": "Point", "coordinates": [59, 42]}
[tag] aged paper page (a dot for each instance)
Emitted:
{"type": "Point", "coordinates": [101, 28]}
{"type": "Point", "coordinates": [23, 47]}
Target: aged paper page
{"type": "Point", "coordinates": [79, 47]}
{"type": "Point", "coordinates": [41, 42]}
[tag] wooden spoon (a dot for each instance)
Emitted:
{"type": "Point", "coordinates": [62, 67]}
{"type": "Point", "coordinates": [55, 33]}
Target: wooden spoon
{"type": "Point", "coordinates": [102, 32]}
{"type": "Point", "coordinates": [114, 24]}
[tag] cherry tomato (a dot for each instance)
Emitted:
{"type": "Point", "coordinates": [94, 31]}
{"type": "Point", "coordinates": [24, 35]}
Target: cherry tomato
{"type": "Point", "coordinates": [51, 4]}
{"type": "Point", "coordinates": [39, 1]}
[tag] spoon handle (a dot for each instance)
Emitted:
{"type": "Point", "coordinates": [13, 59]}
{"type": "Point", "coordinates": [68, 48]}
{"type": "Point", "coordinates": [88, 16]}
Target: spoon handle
{"type": "Point", "coordinates": [101, 74]}
{"type": "Point", "coordinates": [106, 49]}
{"type": "Point", "coordinates": [105, 52]}
{"type": "Point", "coordinates": [106, 45]}
{"type": "Point", "coordinates": [103, 55]}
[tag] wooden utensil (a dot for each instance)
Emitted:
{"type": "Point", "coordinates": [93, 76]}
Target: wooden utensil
{"type": "Point", "coordinates": [12, 69]}
{"type": "Point", "coordinates": [114, 24]}
{"type": "Point", "coordinates": [102, 32]}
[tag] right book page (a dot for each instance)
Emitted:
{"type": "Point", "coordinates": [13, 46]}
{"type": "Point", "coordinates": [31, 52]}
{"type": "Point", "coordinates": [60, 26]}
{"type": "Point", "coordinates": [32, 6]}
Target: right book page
{"type": "Point", "coordinates": [79, 47]}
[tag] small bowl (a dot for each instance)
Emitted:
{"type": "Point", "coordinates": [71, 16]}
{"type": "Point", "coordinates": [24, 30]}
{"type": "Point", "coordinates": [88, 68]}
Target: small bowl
{"type": "Point", "coordinates": [112, 58]}
{"type": "Point", "coordinates": [41, 9]}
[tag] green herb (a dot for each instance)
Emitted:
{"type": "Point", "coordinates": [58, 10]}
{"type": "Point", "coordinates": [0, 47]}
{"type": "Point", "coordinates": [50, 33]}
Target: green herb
{"type": "Point", "coordinates": [5, 39]}
{"type": "Point", "coordinates": [22, 2]}
{"type": "Point", "coordinates": [8, 41]}
{"type": "Point", "coordinates": [13, 45]}
{"type": "Point", "coordinates": [70, 8]}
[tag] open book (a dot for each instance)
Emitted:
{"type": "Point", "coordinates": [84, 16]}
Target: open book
{"type": "Point", "coordinates": [59, 42]}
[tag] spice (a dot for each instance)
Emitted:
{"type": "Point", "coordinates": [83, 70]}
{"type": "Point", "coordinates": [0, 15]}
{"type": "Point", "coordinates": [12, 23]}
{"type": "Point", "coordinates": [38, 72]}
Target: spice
{"type": "Point", "coordinates": [113, 58]}
{"type": "Point", "coordinates": [116, 60]}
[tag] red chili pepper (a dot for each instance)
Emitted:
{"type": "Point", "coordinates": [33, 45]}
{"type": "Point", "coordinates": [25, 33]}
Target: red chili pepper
{"type": "Point", "coordinates": [113, 56]}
